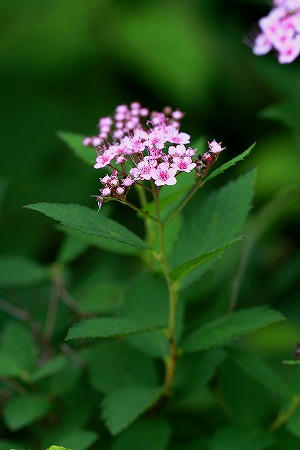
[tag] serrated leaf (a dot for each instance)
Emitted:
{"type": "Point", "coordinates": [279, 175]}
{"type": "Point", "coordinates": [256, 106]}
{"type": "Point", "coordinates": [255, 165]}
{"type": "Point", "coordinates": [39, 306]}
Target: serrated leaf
{"type": "Point", "coordinates": [228, 164]}
{"type": "Point", "coordinates": [18, 341]}
{"type": "Point", "coordinates": [49, 368]}
{"type": "Point", "coordinates": [145, 434]}
{"type": "Point", "coordinates": [212, 223]}
{"type": "Point", "coordinates": [105, 327]}
{"type": "Point", "coordinates": [88, 221]}
{"type": "Point", "coordinates": [19, 271]}
{"type": "Point", "coordinates": [78, 439]}
{"type": "Point", "coordinates": [260, 371]}
{"type": "Point", "coordinates": [123, 406]}
{"type": "Point", "coordinates": [181, 271]}
{"type": "Point", "coordinates": [99, 242]}
{"type": "Point", "coordinates": [231, 326]}
{"type": "Point", "coordinates": [22, 411]}
{"type": "Point", "coordinates": [236, 437]}
{"type": "Point", "coordinates": [74, 141]}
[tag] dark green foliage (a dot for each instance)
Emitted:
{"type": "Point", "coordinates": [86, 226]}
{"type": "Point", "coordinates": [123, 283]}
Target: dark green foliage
{"type": "Point", "coordinates": [95, 276]}
{"type": "Point", "coordinates": [88, 221]}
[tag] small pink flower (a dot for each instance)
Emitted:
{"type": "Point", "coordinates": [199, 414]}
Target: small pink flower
{"type": "Point", "coordinates": [105, 121]}
{"type": "Point", "coordinates": [135, 105]}
{"type": "Point", "coordinates": [177, 115]}
{"type": "Point", "coordinates": [207, 157]}
{"type": "Point", "coordinates": [215, 147]}
{"type": "Point", "coordinates": [102, 160]}
{"type": "Point", "coordinates": [105, 179]}
{"type": "Point", "coordinates": [178, 138]}
{"type": "Point", "coordinates": [114, 181]}
{"type": "Point", "coordinates": [157, 139]}
{"type": "Point", "coordinates": [127, 181]}
{"type": "Point", "coordinates": [164, 175]}
{"type": "Point", "coordinates": [190, 151]}
{"type": "Point", "coordinates": [120, 190]}
{"type": "Point", "coordinates": [289, 52]}
{"type": "Point", "coordinates": [106, 191]}
{"type": "Point", "coordinates": [96, 141]}
{"type": "Point", "coordinates": [87, 141]}
{"type": "Point", "coordinates": [144, 112]}
{"type": "Point", "coordinates": [262, 45]}
{"type": "Point", "coordinates": [135, 173]}
{"type": "Point", "coordinates": [183, 164]}
{"type": "Point", "coordinates": [179, 150]}
{"type": "Point", "coordinates": [121, 109]}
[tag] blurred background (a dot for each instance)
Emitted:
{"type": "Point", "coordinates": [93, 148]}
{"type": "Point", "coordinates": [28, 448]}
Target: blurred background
{"type": "Point", "coordinates": [64, 63]}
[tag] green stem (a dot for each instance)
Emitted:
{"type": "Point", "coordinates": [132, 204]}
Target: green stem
{"type": "Point", "coordinates": [148, 225]}
{"type": "Point", "coordinates": [185, 201]}
{"type": "Point", "coordinates": [173, 295]}
{"type": "Point", "coordinates": [285, 416]}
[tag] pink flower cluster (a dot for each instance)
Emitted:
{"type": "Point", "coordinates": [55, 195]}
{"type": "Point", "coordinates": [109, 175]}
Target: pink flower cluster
{"type": "Point", "coordinates": [280, 30]}
{"type": "Point", "coordinates": [136, 146]}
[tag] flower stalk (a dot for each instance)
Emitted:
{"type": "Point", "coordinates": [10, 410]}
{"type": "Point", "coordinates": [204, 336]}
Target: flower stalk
{"type": "Point", "coordinates": [173, 296]}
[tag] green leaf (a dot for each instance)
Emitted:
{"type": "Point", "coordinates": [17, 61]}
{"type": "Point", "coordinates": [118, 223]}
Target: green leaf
{"type": "Point", "coordinates": [228, 164]}
{"type": "Point", "coordinates": [49, 368]}
{"type": "Point", "coordinates": [102, 297]}
{"type": "Point", "coordinates": [181, 271]}
{"type": "Point", "coordinates": [235, 437]}
{"type": "Point", "coordinates": [5, 444]}
{"type": "Point", "coordinates": [22, 411]}
{"type": "Point", "coordinates": [111, 364]}
{"type": "Point", "coordinates": [231, 326]}
{"type": "Point", "coordinates": [146, 301]}
{"type": "Point", "coordinates": [212, 223]}
{"type": "Point", "coordinates": [287, 112]}
{"type": "Point", "coordinates": [19, 271]}
{"type": "Point", "coordinates": [78, 440]}
{"type": "Point", "coordinates": [123, 406]}
{"type": "Point", "coordinates": [74, 141]}
{"type": "Point", "coordinates": [65, 380]}
{"type": "Point", "coordinates": [88, 221]}
{"type": "Point", "coordinates": [98, 242]}
{"type": "Point", "coordinates": [71, 249]}
{"type": "Point", "coordinates": [198, 369]}
{"type": "Point", "coordinates": [104, 327]}
{"type": "Point", "coordinates": [17, 341]}
{"type": "Point", "coordinates": [145, 434]}
{"type": "Point", "coordinates": [9, 366]}
{"type": "Point", "coordinates": [260, 371]}
{"type": "Point", "coordinates": [293, 425]}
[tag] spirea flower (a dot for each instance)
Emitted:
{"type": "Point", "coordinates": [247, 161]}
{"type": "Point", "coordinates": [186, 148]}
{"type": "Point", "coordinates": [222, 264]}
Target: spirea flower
{"type": "Point", "coordinates": [280, 30]}
{"type": "Point", "coordinates": [138, 146]}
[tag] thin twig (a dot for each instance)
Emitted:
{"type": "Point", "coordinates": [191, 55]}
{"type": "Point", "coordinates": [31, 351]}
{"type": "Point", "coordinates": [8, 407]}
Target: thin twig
{"type": "Point", "coordinates": [284, 417]}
